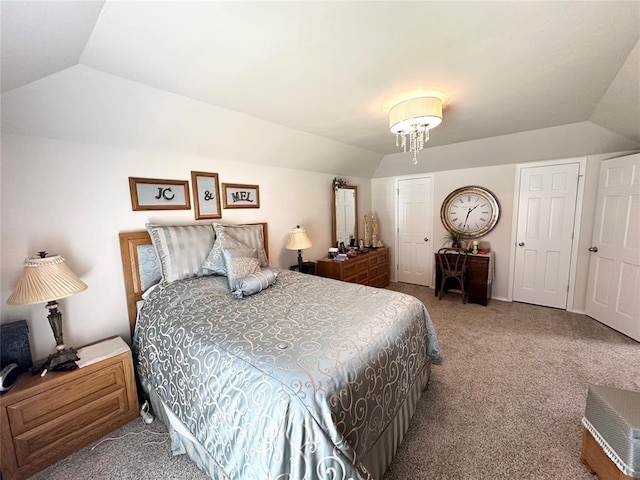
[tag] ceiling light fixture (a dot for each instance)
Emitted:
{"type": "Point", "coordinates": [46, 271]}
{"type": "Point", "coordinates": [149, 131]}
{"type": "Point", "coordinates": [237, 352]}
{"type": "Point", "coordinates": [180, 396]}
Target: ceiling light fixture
{"type": "Point", "coordinates": [414, 118]}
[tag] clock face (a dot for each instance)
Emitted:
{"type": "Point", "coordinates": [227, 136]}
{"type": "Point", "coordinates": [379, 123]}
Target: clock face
{"type": "Point", "coordinates": [470, 211]}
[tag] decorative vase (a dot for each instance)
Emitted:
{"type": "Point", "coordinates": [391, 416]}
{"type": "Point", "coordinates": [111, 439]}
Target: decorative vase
{"type": "Point", "coordinates": [367, 232]}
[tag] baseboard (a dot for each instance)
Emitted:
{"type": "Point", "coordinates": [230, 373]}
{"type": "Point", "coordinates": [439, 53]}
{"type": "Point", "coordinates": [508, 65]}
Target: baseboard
{"type": "Point", "coordinates": [501, 299]}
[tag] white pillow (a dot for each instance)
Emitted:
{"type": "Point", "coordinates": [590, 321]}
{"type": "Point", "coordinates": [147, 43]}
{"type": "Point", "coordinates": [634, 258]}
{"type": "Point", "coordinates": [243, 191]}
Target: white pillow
{"type": "Point", "coordinates": [240, 263]}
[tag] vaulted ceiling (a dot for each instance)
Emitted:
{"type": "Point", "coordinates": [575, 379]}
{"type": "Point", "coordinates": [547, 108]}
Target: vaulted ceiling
{"type": "Point", "coordinates": [335, 68]}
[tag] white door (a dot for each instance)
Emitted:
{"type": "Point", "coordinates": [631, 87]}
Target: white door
{"type": "Point", "coordinates": [613, 292]}
{"type": "Point", "coordinates": [544, 237]}
{"type": "Point", "coordinates": [415, 222]}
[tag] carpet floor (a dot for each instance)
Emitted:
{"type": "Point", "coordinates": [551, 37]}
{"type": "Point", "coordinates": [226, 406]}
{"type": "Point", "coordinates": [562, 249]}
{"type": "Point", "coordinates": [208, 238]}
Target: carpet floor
{"type": "Point", "coordinates": [506, 403]}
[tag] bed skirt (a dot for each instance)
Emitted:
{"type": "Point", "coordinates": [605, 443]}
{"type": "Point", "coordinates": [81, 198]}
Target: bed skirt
{"type": "Point", "coordinates": [376, 460]}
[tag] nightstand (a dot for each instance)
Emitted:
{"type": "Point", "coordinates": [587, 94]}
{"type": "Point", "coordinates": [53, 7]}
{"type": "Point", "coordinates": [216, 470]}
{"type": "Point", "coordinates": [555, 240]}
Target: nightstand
{"type": "Point", "coordinates": [307, 267]}
{"type": "Point", "coordinates": [44, 419]}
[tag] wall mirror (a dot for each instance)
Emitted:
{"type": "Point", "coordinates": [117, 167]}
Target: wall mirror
{"type": "Point", "coordinates": [345, 213]}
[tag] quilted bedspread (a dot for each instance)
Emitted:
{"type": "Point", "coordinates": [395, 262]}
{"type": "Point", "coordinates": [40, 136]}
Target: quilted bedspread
{"type": "Point", "coordinates": [297, 381]}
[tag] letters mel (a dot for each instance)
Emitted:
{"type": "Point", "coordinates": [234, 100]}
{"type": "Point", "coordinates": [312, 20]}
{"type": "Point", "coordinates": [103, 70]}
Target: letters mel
{"type": "Point", "coordinates": [241, 196]}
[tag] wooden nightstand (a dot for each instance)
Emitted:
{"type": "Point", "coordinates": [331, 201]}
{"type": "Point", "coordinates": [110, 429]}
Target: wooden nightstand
{"type": "Point", "coordinates": [307, 267]}
{"type": "Point", "coordinates": [44, 419]}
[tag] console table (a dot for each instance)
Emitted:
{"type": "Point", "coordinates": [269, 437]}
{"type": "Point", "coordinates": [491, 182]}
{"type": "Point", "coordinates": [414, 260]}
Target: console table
{"type": "Point", "coordinates": [371, 268]}
{"type": "Point", "coordinates": [480, 274]}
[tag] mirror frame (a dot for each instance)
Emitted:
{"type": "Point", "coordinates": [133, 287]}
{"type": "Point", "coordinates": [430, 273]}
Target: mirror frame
{"type": "Point", "coordinates": [333, 211]}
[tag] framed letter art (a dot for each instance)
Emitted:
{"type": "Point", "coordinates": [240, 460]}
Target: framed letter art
{"type": "Point", "coordinates": [240, 196]}
{"type": "Point", "coordinates": [156, 194]}
{"type": "Point", "coordinates": [206, 195]}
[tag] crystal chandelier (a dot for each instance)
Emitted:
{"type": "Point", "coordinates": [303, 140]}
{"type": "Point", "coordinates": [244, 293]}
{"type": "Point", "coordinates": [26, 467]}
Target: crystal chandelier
{"type": "Point", "coordinates": [414, 118]}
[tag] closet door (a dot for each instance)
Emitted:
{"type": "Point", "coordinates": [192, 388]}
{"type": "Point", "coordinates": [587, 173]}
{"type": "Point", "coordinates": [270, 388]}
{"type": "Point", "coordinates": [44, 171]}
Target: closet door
{"type": "Point", "coordinates": [613, 292]}
{"type": "Point", "coordinates": [544, 238]}
{"type": "Point", "coordinates": [415, 225]}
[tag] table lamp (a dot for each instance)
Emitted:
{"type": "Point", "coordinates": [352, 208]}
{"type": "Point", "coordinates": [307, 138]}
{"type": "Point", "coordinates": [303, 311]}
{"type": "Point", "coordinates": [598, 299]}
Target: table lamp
{"type": "Point", "coordinates": [47, 279]}
{"type": "Point", "coordinates": [298, 241]}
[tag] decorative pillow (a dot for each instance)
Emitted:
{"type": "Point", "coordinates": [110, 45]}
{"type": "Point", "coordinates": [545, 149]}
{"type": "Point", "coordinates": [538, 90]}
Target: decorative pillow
{"type": "Point", "coordinates": [149, 266]}
{"type": "Point", "coordinates": [250, 235]}
{"type": "Point", "coordinates": [181, 249]}
{"type": "Point", "coordinates": [214, 262]}
{"type": "Point", "coordinates": [254, 283]}
{"type": "Point", "coordinates": [240, 263]}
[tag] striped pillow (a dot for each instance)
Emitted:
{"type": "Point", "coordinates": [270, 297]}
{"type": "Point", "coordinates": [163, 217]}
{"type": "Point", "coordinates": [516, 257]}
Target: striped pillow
{"type": "Point", "coordinates": [181, 249]}
{"type": "Point", "coordinates": [253, 283]}
{"type": "Point", "coordinates": [250, 235]}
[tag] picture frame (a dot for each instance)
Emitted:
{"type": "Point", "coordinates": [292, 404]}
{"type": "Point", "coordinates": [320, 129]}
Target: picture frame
{"type": "Point", "coordinates": [206, 195]}
{"type": "Point", "coordinates": [159, 194]}
{"type": "Point", "coordinates": [237, 195]}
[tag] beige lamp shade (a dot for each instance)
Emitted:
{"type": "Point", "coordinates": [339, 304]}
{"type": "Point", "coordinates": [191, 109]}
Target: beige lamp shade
{"type": "Point", "coordinates": [425, 112]}
{"type": "Point", "coordinates": [298, 240]}
{"type": "Point", "coordinates": [45, 279]}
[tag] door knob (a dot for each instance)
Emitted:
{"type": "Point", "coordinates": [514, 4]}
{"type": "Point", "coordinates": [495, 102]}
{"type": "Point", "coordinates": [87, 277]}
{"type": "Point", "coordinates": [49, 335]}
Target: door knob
{"type": "Point", "coordinates": [593, 249]}
{"type": "Point", "coordinates": [521, 244]}
{"type": "Point", "coordinates": [426, 239]}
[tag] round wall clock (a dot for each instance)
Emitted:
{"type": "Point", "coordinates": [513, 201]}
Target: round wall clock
{"type": "Point", "coordinates": [470, 211]}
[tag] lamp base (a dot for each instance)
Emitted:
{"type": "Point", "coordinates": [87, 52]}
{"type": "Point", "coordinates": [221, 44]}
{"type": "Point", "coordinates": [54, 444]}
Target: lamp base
{"type": "Point", "coordinates": [62, 356]}
{"type": "Point", "coordinates": [61, 360]}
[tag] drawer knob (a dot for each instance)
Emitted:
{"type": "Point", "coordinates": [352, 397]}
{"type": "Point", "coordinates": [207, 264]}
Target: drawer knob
{"type": "Point", "coordinates": [426, 239]}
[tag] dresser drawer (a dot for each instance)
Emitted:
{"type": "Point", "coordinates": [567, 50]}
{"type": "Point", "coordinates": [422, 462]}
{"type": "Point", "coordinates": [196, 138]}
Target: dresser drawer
{"type": "Point", "coordinates": [69, 397]}
{"type": "Point", "coordinates": [361, 277]}
{"type": "Point", "coordinates": [378, 270]}
{"type": "Point", "coordinates": [67, 430]}
{"type": "Point", "coordinates": [380, 281]}
{"type": "Point", "coordinates": [381, 256]}
{"type": "Point", "coordinates": [351, 267]}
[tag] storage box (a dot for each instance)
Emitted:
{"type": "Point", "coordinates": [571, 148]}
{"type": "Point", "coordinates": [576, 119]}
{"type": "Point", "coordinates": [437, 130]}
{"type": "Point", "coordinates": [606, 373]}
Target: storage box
{"type": "Point", "coordinates": [611, 444]}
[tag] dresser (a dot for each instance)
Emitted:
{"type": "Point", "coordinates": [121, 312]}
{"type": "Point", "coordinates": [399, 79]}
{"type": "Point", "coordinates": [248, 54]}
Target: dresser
{"type": "Point", "coordinates": [480, 272]}
{"type": "Point", "coordinates": [44, 419]}
{"type": "Point", "coordinates": [371, 268]}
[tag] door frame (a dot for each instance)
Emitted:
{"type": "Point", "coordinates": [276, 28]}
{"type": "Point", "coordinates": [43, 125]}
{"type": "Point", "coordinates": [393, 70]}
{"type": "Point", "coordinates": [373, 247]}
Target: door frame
{"type": "Point", "coordinates": [396, 226]}
{"type": "Point", "coordinates": [582, 161]}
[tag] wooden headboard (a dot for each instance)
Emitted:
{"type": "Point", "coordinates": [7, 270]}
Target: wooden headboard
{"type": "Point", "coordinates": [129, 242]}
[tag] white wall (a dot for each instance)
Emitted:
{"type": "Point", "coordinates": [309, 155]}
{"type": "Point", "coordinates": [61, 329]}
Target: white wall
{"type": "Point", "coordinates": [456, 165]}
{"type": "Point", "coordinates": [71, 140]}
{"type": "Point", "coordinates": [565, 141]}
{"type": "Point", "coordinates": [83, 105]}
{"type": "Point", "coordinates": [73, 199]}
{"type": "Point", "coordinates": [500, 179]}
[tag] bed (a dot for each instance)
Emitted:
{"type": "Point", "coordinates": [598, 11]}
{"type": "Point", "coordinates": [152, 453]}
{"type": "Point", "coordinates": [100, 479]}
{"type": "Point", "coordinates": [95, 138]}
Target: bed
{"type": "Point", "coordinates": [309, 378]}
